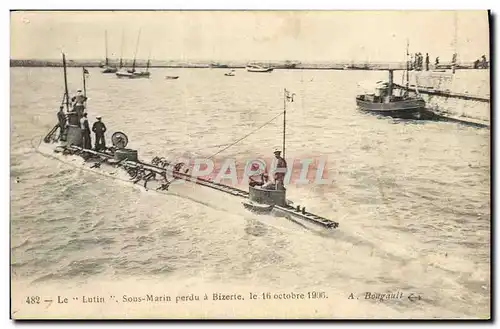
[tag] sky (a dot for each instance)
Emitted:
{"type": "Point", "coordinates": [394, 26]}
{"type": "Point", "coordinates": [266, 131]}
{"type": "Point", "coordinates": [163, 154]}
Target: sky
{"type": "Point", "coordinates": [306, 36]}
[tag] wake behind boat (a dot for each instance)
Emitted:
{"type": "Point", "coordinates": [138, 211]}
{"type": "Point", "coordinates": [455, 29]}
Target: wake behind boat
{"type": "Point", "coordinates": [386, 101]}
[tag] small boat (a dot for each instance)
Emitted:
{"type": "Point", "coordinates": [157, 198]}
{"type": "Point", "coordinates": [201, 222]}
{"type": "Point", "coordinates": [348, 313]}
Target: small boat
{"type": "Point", "coordinates": [129, 74]}
{"type": "Point", "coordinates": [290, 66]}
{"type": "Point", "coordinates": [364, 67]}
{"type": "Point", "coordinates": [258, 68]}
{"type": "Point", "coordinates": [143, 74]}
{"type": "Point", "coordinates": [124, 74]}
{"type": "Point", "coordinates": [172, 77]}
{"type": "Point", "coordinates": [386, 102]}
{"type": "Point", "coordinates": [229, 74]}
{"type": "Point", "coordinates": [132, 73]}
{"type": "Point", "coordinates": [109, 69]}
{"type": "Point", "coordinates": [218, 66]}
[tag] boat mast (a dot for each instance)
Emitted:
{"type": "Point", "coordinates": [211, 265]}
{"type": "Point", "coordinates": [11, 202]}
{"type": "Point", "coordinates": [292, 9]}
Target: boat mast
{"type": "Point", "coordinates": [136, 48]}
{"type": "Point", "coordinates": [121, 52]}
{"type": "Point", "coordinates": [65, 83]}
{"type": "Point", "coordinates": [84, 72]}
{"type": "Point", "coordinates": [106, 46]}
{"type": "Point", "coordinates": [454, 58]}
{"type": "Point", "coordinates": [407, 64]}
{"type": "Point", "coordinates": [284, 119]}
{"type": "Point", "coordinates": [149, 61]}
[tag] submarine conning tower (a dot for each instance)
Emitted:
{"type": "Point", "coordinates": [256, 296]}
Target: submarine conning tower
{"type": "Point", "coordinates": [119, 140]}
{"type": "Point", "coordinates": [74, 132]}
{"type": "Point", "coordinates": [269, 197]}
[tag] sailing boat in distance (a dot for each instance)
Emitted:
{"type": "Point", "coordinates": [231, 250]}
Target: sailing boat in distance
{"type": "Point", "coordinates": [132, 73]}
{"type": "Point", "coordinates": [107, 68]}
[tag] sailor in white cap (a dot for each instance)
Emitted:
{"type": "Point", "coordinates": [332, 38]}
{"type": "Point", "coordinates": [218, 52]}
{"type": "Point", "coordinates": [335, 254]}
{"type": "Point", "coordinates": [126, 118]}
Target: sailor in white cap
{"type": "Point", "coordinates": [281, 168]}
{"type": "Point", "coordinates": [79, 101]}
{"type": "Point", "coordinates": [99, 128]}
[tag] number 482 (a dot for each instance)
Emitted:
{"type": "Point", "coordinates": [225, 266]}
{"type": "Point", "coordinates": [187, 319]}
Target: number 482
{"type": "Point", "coordinates": [33, 300]}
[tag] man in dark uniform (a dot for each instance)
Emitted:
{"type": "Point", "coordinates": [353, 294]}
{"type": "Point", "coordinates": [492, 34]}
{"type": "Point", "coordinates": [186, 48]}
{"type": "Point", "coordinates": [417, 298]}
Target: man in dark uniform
{"type": "Point", "coordinates": [99, 128]}
{"type": "Point", "coordinates": [61, 118]}
{"type": "Point", "coordinates": [84, 125]}
{"type": "Point", "coordinates": [279, 175]}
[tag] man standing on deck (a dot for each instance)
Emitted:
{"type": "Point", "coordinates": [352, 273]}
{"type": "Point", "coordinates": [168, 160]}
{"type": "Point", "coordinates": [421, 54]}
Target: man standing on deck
{"type": "Point", "coordinates": [84, 125]}
{"type": "Point", "coordinates": [79, 101]}
{"type": "Point", "coordinates": [61, 118]}
{"type": "Point", "coordinates": [281, 167]}
{"type": "Point", "coordinates": [99, 128]}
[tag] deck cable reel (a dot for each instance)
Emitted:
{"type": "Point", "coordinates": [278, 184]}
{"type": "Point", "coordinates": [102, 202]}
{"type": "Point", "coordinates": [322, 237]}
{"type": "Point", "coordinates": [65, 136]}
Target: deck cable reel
{"type": "Point", "coordinates": [119, 140]}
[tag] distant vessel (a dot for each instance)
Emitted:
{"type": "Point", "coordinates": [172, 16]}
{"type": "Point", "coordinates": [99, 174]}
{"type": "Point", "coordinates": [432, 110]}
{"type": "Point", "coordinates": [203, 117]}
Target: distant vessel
{"type": "Point", "coordinates": [172, 77]}
{"type": "Point", "coordinates": [289, 65]}
{"type": "Point", "coordinates": [361, 67]}
{"type": "Point", "coordinates": [218, 66]}
{"type": "Point", "coordinates": [229, 74]}
{"type": "Point", "coordinates": [356, 67]}
{"type": "Point", "coordinates": [132, 73]}
{"type": "Point", "coordinates": [107, 68]}
{"type": "Point", "coordinates": [258, 68]}
{"type": "Point", "coordinates": [385, 101]}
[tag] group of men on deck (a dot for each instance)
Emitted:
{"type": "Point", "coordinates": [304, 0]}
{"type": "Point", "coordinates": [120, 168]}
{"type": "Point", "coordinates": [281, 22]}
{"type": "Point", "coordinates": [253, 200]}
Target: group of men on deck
{"type": "Point", "coordinates": [279, 175]}
{"type": "Point", "coordinates": [78, 107]}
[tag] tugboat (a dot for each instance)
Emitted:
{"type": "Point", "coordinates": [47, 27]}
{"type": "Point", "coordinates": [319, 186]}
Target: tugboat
{"type": "Point", "coordinates": [386, 102]}
{"type": "Point", "coordinates": [166, 177]}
